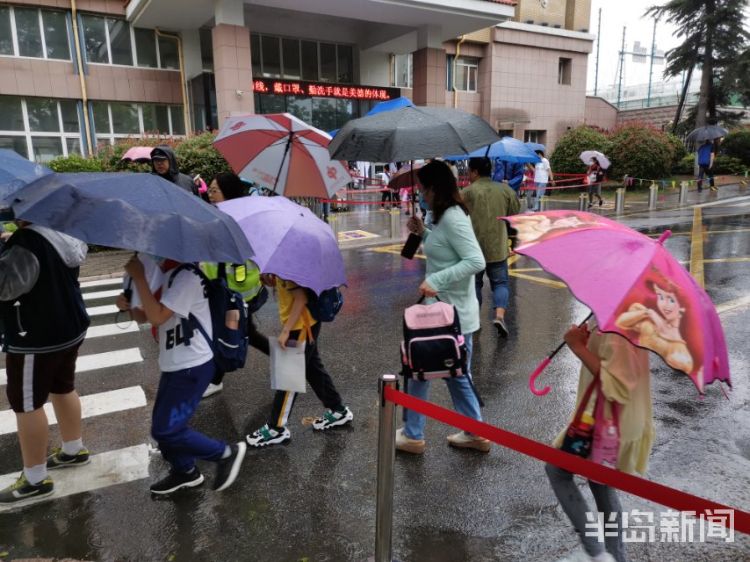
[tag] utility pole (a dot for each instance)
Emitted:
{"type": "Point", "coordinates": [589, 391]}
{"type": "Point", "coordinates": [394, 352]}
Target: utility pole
{"type": "Point", "coordinates": [622, 63]}
{"type": "Point", "coordinates": [651, 65]}
{"type": "Point", "coordinates": [598, 41]}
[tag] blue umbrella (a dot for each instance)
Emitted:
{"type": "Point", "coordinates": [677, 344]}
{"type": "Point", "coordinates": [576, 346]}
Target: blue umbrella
{"type": "Point", "coordinates": [140, 212]}
{"type": "Point", "coordinates": [536, 146]}
{"type": "Point", "coordinates": [16, 172]}
{"type": "Point", "coordinates": [507, 149]}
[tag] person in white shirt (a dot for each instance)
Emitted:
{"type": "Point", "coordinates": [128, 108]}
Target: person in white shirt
{"type": "Point", "coordinates": [542, 175]}
{"type": "Point", "coordinates": [186, 361]}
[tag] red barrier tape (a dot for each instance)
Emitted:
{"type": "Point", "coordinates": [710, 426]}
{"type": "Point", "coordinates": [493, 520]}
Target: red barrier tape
{"type": "Point", "coordinates": [635, 485]}
{"type": "Point", "coordinates": [354, 202]}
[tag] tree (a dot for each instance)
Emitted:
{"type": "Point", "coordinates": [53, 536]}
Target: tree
{"type": "Point", "coordinates": [715, 40]}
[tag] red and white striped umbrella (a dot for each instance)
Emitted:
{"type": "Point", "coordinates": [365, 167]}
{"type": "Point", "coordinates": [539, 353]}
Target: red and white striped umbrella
{"type": "Point", "coordinates": [282, 153]}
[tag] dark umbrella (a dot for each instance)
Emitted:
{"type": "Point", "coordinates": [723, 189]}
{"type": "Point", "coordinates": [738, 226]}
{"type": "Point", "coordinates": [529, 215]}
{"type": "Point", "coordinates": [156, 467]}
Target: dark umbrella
{"type": "Point", "coordinates": [709, 132]}
{"type": "Point", "coordinates": [140, 212]}
{"type": "Point", "coordinates": [17, 172]}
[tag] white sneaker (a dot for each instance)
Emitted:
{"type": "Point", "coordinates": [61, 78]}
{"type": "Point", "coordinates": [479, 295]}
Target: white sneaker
{"type": "Point", "coordinates": [212, 389]}
{"type": "Point", "coordinates": [409, 445]}
{"type": "Point", "coordinates": [463, 440]}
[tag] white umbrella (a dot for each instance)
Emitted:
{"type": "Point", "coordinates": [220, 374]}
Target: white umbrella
{"type": "Point", "coordinates": [588, 155]}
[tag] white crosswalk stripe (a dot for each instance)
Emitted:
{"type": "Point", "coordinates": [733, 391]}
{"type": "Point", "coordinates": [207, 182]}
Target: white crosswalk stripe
{"type": "Point", "coordinates": [111, 330]}
{"type": "Point", "coordinates": [101, 295]}
{"type": "Point", "coordinates": [102, 310]}
{"type": "Point", "coordinates": [91, 405]}
{"type": "Point", "coordinates": [101, 283]}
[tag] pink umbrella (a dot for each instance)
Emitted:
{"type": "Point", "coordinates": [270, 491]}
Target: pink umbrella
{"type": "Point", "coordinates": [633, 285]}
{"type": "Point", "coordinates": [281, 152]}
{"type": "Point", "coordinates": [138, 154]}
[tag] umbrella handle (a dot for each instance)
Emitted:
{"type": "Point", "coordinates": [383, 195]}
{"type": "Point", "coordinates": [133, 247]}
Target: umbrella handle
{"type": "Point", "coordinates": [535, 374]}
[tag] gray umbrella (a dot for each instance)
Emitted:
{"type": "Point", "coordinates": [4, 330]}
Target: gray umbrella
{"type": "Point", "coordinates": [411, 133]}
{"type": "Point", "coordinates": [709, 132]}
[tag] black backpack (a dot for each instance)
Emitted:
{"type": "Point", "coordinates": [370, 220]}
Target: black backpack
{"type": "Point", "coordinates": [229, 345]}
{"type": "Point", "coordinates": [326, 306]}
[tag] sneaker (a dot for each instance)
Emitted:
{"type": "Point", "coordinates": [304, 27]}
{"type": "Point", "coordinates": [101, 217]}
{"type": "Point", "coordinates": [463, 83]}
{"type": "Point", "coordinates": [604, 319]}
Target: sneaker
{"type": "Point", "coordinates": [601, 201]}
{"type": "Point", "coordinates": [212, 389]}
{"type": "Point", "coordinates": [177, 480]}
{"type": "Point", "coordinates": [227, 469]}
{"type": "Point", "coordinates": [58, 459]}
{"type": "Point", "coordinates": [333, 419]}
{"type": "Point", "coordinates": [502, 328]}
{"type": "Point", "coordinates": [580, 555]}
{"type": "Point", "coordinates": [22, 490]}
{"type": "Point", "coordinates": [714, 188]}
{"type": "Point", "coordinates": [268, 436]}
{"type": "Point", "coordinates": [463, 440]}
{"type": "Point", "coordinates": [409, 445]}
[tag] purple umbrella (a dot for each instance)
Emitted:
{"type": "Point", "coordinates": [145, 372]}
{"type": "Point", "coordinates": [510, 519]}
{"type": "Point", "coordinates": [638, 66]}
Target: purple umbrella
{"type": "Point", "coordinates": [289, 241]}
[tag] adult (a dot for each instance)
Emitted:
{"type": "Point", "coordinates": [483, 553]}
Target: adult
{"type": "Point", "coordinates": [44, 321]}
{"type": "Point", "coordinates": [487, 200]}
{"type": "Point", "coordinates": [542, 175]}
{"type": "Point", "coordinates": [164, 164]}
{"type": "Point", "coordinates": [623, 370]}
{"type": "Point", "coordinates": [241, 277]}
{"type": "Point", "coordinates": [706, 155]}
{"type": "Point", "coordinates": [453, 259]}
{"type": "Point", "coordinates": [595, 176]}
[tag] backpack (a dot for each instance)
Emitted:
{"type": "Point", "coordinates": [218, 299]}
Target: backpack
{"type": "Point", "coordinates": [433, 345]}
{"type": "Point", "coordinates": [229, 343]}
{"type": "Point", "coordinates": [326, 306]}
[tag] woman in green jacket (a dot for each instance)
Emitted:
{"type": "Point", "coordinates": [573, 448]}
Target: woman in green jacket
{"type": "Point", "coordinates": [453, 259]}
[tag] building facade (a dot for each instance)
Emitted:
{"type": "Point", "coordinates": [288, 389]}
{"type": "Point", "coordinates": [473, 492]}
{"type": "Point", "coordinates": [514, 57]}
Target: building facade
{"type": "Point", "coordinates": [76, 74]}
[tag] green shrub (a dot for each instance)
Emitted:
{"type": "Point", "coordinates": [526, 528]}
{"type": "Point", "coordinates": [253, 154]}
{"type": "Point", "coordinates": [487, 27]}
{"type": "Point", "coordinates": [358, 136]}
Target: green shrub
{"type": "Point", "coordinates": [737, 145]}
{"type": "Point", "coordinates": [197, 155]}
{"type": "Point", "coordinates": [566, 157]}
{"type": "Point", "coordinates": [728, 165]}
{"type": "Point", "coordinates": [678, 149]}
{"type": "Point", "coordinates": [685, 167]}
{"type": "Point", "coordinates": [75, 163]}
{"type": "Point", "coordinates": [640, 151]}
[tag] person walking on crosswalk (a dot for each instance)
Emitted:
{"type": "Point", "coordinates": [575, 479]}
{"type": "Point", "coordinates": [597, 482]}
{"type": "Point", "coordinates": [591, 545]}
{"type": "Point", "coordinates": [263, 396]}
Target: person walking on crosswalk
{"type": "Point", "coordinates": [187, 367]}
{"type": "Point", "coordinates": [44, 322]}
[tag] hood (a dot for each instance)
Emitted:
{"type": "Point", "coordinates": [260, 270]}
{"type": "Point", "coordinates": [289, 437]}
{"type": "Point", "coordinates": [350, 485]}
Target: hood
{"type": "Point", "coordinates": [71, 250]}
{"type": "Point", "coordinates": [169, 153]}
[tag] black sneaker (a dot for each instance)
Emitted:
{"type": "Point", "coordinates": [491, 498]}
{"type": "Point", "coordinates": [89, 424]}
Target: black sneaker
{"type": "Point", "coordinates": [227, 469]}
{"type": "Point", "coordinates": [22, 490]}
{"type": "Point", "coordinates": [502, 329]}
{"type": "Point", "coordinates": [58, 459]}
{"type": "Point", "coordinates": [176, 480]}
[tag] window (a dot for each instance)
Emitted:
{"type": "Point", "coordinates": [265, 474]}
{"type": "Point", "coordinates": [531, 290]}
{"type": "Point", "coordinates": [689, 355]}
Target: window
{"type": "Point", "coordinates": [169, 56]}
{"type": "Point", "coordinates": [291, 58]}
{"type": "Point", "coordinates": [466, 71]}
{"type": "Point", "coordinates": [145, 40]}
{"type": "Point", "coordinates": [95, 39]}
{"type": "Point", "coordinates": [309, 60]}
{"type": "Point", "coordinates": [39, 128]}
{"type": "Point", "coordinates": [324, 113]}
{"type": "Point", "coordinates": [255, 54]}
{"type": "Point", "coordinates": [535, 136]}
{"type": "Point", "coordinates": [505, 133]}
{"type": "Point", "coordinates": [31, 32]}
{"type": "Point", "coordinates": [328, 62]}
{"type": "Point", "coordinates": [402, 71]}
{"type": "Point", "coordinates": [119, 42]}
{"type": "Point", "coordinates": [207, 49]}
{"type": "Point", "coordinates": [270, 56]}
{"type": "Point", "coordinates": [114, 120]}
{"type": "Point", "coordinates": [113, 41]}
{"type": "Point", "coordinates": [564, 71]}
{"type": "Point", "coordinates": [345, 64]}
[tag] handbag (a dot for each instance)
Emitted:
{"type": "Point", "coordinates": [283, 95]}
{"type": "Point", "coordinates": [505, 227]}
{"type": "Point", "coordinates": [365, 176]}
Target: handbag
{"type": "Point", "coordinates": [579, 435]}
{"type": "Point", "coordinates": [288, 366]}
{"type": "Point", "coordinates": [605, 446]}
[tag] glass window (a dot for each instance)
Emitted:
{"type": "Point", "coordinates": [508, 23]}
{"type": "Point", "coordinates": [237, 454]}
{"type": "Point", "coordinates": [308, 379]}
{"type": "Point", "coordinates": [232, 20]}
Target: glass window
{"type": "Point", "coordinates": [125, 118]}
{"type": "Point", "coordinates": [101, 117]}
{"type": "Point", "coordinates": [6, 39]}
{"type": "Point", "coordinates": [344, 112]}
{"type": "Point", "coordinates": [255, 54]}
{"type": "Point", "coordinates": [466, 70]}
{"type": "Point", "coordinates": [56, 35]}
{"type": "Point", "coordinates": [327, 62]}
{"type": "Point", "coordinates": [11, 114]}
{"type": "Point", "coordinates": [15, 143]}
{"type": "Point", "coordinates": [271, 56]}
{"type": "Point", "coordinates": [29, 35]}
{"type": "Point", "coordinates": [95, 39]}
{"type": "Point", "coordinates": [74, 145]}
{"type": "Point", "coordinates": [564, 71]}
{"type": "Point", "coordinates": [300, 108]}
{"type": "Point", "coordinates": [178, 120]}
{"type": "Point", "coordinates": [290, 51]}
{"type": "Point", "coordinates": [402, 68]}
{"type": "Point", "coordinates": [345, 64]}
{"type": "Point", "coordinates": [119, 42]}
{"type": "Point", "coordinates": [169, 56]}
{"type": "Point", "coordinates": [309, 60]}
{"type": "Point", "coordinates": [271, 104]}
{"type": "Point", "coordinates": [46, 148]}
{"type": "Point", "coordinates": [69, 110]}
{"type": "Point", "coordinates": [145, 47]}
{"type": "Point", "coordinates": [207, 49]}
{"type": "Point", "coordinates": [155, 119]}
{"type": "Point", "coordinates": [42, 115]}
{"type": "Point", "coordinates": [324, 113]}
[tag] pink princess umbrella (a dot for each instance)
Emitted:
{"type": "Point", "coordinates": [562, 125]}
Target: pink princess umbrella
{"type": "Point", "coordinates": [633, 286]}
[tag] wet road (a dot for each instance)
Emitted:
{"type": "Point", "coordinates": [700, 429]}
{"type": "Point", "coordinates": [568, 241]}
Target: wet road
{"type": "Point", "coordinates": [314, 499]}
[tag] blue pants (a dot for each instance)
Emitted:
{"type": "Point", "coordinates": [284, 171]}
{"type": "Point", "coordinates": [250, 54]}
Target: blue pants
{"type": "Point", "coordinates": [540, 189]}
{"type": "Point", "coordinates": [497, 273]}
{"type": "Point", "coordinates": [464, 399]}
{"type": "Point", "coordinates": [176, 400]}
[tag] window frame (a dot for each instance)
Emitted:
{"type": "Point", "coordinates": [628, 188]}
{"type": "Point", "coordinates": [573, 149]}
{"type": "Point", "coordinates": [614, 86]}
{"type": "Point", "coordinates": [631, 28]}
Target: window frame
{"type": "Point", "coordinates": [111, 137]}
{"type": "Point", "coordinates": [452, 64]}
{"type": "Point", "coordinates": [564, 71]}
{"type": "Point", "coordinates": [409, 70]}
{"type": "Point", "coordinates": [40, 23]}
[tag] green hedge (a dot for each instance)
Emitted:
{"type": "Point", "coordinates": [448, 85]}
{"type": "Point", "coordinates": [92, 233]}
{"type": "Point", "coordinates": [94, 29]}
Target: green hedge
{"type": "Point", "coordinates": [566, 157]}
{"type": "Point", "coordinates": [737, 145]}
{"type": "Point", "coordinates": [723, 165]}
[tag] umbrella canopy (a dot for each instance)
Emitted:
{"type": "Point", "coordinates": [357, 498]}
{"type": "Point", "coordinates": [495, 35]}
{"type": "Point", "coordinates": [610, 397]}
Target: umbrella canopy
{"type": "Point", "coordinates": [411, 133]}
{"type": "Point", "coordinates": [633, 285]}
{"type": "Point", "coordinates": [283, 153]}
{"type": "Point", "coordinates": [507, 149]}
{"type": "Point", "coordinates": [405, 177]}
{"type": "Point", "coordinates": [289, 241]}
{"type": "Point", "coordinates": [709, 132]}
{"type": "Point", "coordinates": [141, 212]}
{"type": "Point", "coordinates": [16, 172]}
{"type": "Point", "coordinates": [536, 146]}
{"type": "Point", "coordinates": [587, 157]}
{"type": "Point", "coordinates": [138, 154]}
{"type": "Point", "coordinates": [390, 105]}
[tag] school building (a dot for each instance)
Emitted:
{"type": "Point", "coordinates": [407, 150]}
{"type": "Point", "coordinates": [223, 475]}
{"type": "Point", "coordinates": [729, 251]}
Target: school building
{"type": "Point", "coordinates": [78, 73]}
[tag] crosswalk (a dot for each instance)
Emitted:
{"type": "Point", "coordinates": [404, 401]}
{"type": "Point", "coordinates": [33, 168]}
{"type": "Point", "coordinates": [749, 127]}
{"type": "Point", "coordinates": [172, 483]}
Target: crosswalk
{"type": "Point", "coordinates": [109, 371]}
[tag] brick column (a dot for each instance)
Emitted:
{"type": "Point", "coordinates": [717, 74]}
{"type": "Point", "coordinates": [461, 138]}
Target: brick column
{"type": "Point", "coordinates": [429, 77]}
{"type": "Point", "coordinates": [232, 70]}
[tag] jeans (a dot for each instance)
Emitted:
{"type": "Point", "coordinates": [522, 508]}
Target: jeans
{"type": "Point", "coordinates": [575, 507]}
{"type": "Point", "coordinates": [705, 171]}
{"type": "Point", "coordinates": [595, 189]}
{"type": "Point", "coordinates": [178, 396]}
{"type": "Point", "coordinates": [497, 273]}
{"type": "Point", "coordinates": [541, 187]}
{"type": "Point", "coordinates": [464, 399]}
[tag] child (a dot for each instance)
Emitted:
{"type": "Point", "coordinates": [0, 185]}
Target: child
{"type": "Point", "coordinates": [299, 325]}
{"type": "Point", "coordinates": [187, 367]}
{"type": "Point", "coordinates": [625, 378]}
